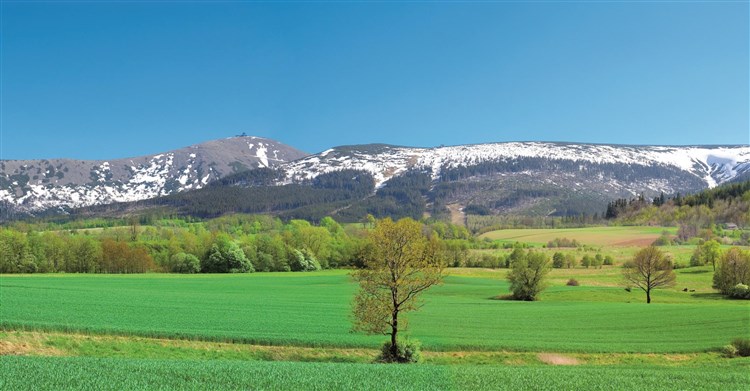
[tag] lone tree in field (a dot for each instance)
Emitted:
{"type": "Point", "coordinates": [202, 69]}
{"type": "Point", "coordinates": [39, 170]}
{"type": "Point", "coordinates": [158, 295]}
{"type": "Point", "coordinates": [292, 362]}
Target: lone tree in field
{"type": "Point", "coordinates": [649, 270]}
{"type": "Point", "coordinates": [527, 276]}
{"type": "Point", "coordinates": [402, 263]}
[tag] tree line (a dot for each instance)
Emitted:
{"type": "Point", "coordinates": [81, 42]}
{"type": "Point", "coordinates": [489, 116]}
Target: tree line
{"type": "Point", "coordinates": [233, 243]}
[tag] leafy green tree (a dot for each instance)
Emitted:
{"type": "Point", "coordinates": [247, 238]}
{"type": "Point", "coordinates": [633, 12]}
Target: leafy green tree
{"type": "Point", "coordinates": [570, 260]}
{"type": "Point", "coordinates": [303, 261]}
{"type": "Point", "coordinates": [705, 253]}
{"type": "Point", "coordinates": [85, 255]}
{"type": "Point", "coordinates": [15, 253]}
{"type": "Point", "coordinates": [598, 261]}
{"type": "Point", "coordinates": [733, 269]}
{"type": "Point", "coordinates": [55, 249]}
{"type": "Point", "coordinates": [402, 263]}
{"type": "Point", "coordinates": [226, 256]}
{"type": "Point", "coordinates": [558, 260]}
{"type": "Point", "coordinates": [586, 261]}
{"type": "Point", "coordinates": [185, 263]}
{"type": "Point", "coordinates": [527, 276]}
{"type": "Point", "coordinates": [515, 255]}
{"type": "Point", "coordinates": [272, 253]}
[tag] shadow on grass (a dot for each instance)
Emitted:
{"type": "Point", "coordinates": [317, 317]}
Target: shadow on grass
{"type": "Point", "coordinates": [709, 296]}
{"type": "Point", "coordinates": [695, 271]}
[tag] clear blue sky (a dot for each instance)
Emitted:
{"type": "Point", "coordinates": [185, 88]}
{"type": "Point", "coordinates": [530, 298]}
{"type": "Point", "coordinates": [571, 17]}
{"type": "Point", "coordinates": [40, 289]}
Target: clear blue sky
{"type": "Point", "coordinates": [88, 81]}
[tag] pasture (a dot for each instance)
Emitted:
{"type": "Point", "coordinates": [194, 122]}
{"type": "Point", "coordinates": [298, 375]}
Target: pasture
{"type": "Point", "coordinates": [292, 330]}
{"type": "Point", "coordinates": [313, 310]}
{"type": "Point", "coordinates": [597, 236]}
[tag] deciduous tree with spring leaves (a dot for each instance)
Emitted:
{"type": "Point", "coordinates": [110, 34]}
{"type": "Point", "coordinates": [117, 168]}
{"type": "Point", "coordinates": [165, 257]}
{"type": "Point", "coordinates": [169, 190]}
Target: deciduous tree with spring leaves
{"type": "Point", "coordinates": [403, 263]}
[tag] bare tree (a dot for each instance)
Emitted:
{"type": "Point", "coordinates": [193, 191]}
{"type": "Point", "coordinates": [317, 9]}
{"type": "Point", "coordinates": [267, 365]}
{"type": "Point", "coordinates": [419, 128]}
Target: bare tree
{"type": "Point", "coordinates": [403, 263]}
{"type": "Point", "coordinates": [649, 270]}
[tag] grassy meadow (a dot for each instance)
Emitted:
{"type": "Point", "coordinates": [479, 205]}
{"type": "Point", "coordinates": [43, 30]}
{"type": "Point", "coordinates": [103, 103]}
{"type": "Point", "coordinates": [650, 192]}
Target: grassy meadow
{"type": "Point", "coordinates": [292, 330]}
{"type": "Point", "coordinates": [596, 236]}
{"type": "Point", "coordinates": [313, 310]}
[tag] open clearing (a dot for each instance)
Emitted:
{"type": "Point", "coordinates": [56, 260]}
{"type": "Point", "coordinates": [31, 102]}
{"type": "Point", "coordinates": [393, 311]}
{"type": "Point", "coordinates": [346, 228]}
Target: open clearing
{"type": "Point", "coordinates": [598, 236]}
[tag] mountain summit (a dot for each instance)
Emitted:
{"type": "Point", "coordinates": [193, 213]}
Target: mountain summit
{"type": "Point", "coordinates": [34, 185]}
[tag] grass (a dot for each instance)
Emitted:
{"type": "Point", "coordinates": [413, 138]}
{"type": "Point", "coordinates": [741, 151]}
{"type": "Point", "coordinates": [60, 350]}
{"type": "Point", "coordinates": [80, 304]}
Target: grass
{"type": "Point", "coordinates": [132, 347]}
{"type": "Point", "coordinates": [597, 236]}
{"type": "Point", "coordinates": [312, 310]}
{"type": "Point", "coordinates": [53, 373]}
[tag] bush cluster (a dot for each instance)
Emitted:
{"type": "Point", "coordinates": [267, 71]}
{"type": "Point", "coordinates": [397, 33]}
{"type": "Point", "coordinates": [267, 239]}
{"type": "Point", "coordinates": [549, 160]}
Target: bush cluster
{"type": "Point", "coordinates": [739, 347]}
{"type": "Point", "coordinates": [407, 351]}
{"type": "Point", "coordinates": [563, 242]}
{"type": "Point", "coordinates": [740, 291]}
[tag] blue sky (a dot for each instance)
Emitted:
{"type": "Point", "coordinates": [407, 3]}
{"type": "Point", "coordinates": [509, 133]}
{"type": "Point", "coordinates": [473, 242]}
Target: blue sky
{"type": "Point", "coordinates": [90, 81]}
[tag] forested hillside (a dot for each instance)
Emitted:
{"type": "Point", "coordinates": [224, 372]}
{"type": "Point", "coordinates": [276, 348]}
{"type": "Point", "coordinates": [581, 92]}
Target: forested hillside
{"type": "Point", "coordinates": [726, 204]}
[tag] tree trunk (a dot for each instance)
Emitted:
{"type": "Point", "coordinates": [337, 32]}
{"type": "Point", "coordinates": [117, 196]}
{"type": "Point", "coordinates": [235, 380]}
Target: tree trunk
{"type": "Point", "coordinates": [648, 296]}
{"type": "Point", "coordinates": [394, 332]}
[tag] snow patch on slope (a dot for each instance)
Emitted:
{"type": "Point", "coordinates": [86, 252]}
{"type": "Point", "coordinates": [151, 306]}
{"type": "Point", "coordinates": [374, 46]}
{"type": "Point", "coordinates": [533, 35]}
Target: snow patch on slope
{"type": "Point", "coordinates": [712, 164]}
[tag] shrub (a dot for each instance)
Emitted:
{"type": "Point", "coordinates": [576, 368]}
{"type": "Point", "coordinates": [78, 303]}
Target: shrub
{"type": "Point", "coordinates": [740, 291]}
{"type": "Point", "coordinates": [742, 345]}
{"type": "Point", "coordinates": [563, 242]}
{"type": "Point", "coordinates": [407, 351]}
{"type": "Point", "coordinates": [664, 240]}
{"type": "Point", "coordinates": [608, 260]}
{"type": "Point", "coordinates": [729, 351]}
{"type": "Point", "coordinates": [572, 282]}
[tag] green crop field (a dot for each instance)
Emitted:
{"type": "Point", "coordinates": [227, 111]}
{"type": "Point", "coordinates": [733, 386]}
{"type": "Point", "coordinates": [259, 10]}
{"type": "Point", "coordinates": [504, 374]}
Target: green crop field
{"type": "Point", "coordinates": [313, 310]}
{"type": "Point", "coordinates": [598, 236]}
{"type": "Point", "coordinates": [48, 373]}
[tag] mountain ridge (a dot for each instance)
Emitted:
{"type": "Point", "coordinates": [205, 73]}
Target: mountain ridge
{"type": "Point", "coordinates": [499, 175]}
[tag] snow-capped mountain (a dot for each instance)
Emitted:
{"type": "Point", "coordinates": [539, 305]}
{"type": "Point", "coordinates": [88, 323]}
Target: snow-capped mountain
{"type": "Point", "coordinates": [534, 178]}
{"type": "Point", "coordinates": [711, 164]}
{"type": "Point", "coordinates": [34, 185]}
{"type": "Point", "coordinates": [515, 177]}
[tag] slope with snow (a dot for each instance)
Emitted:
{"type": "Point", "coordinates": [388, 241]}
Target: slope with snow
{"type": "Point", "coordinates": [713, 165]}
{"type": "Point", "coordinates": [34, 185]}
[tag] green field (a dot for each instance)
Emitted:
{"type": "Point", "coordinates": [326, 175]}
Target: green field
{"type": "Point", "coordinates": [597, 236]}
{"type": "Point", "coordinates": [292, 330]}
{"type": "Point", "coordinates": [47, 373]}
{"type": "Point", "coordinates": [313, 310]}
